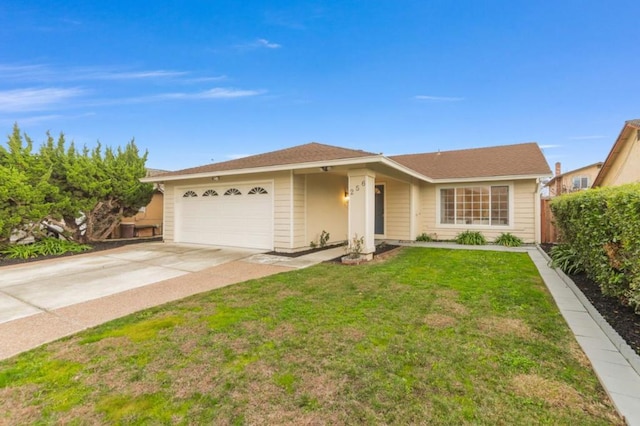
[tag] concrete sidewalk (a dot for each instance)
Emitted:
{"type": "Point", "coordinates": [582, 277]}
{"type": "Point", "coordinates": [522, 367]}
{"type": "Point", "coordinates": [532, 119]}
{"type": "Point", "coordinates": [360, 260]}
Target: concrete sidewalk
{"type": "Point", "coordinates": [614, 362]}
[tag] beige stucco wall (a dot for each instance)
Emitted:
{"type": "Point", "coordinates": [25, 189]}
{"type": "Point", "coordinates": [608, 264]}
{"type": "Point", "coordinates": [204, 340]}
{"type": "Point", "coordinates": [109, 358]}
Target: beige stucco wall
{"type": "Point", "coordinates": [524, 197]}
{"type": "Point", "coordinates": [327, 208]}
{"type": "Point", "coordinates": [152, 215]}
{"type": "Point", "coordinates": [626, 167]}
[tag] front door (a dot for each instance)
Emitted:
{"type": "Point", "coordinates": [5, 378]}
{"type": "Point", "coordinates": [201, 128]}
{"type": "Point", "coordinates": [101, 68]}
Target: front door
{"type": "Point", "coordinates": [379, 219]}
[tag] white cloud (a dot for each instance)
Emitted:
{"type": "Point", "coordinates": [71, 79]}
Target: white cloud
{"type": "Point", "coordinates": [131, 75]}
{"type": "Point", "coordinates": [37, 119]}
{"type": "Point", "coordinates": [34, 99]}
{"type": "Point", "coordinates": [548, 146]}
{"type": "Point", "coordinates": [23, 72]}
{"type": "Point", "coordinates": [215, 93]}
{"type": "Point", "coordinates": [266, 43]}
{"type": "Point", "coordinates": [206, 79]}
{"type": "Point", "coordinates": [438, 98]}
{"type": "Point", "coordinates": [258, 44]}
{"type": "Point", "coordinates": [43, 72]}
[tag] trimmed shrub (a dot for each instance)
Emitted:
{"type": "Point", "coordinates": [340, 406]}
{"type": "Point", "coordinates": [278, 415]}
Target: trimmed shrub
{"type": "Point", "coordinates": [424, 237]}
{"type": "Point", "coordinates": [603, 227]}
{"type": "Point", "coordinates": [471, 238]}
{"type": "Point", "coordinates": [507, 239]}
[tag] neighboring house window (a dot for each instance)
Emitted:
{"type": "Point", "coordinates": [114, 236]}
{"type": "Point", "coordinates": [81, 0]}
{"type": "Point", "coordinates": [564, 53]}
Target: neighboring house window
{"type": "Point", "coordinates": [258, 190]}
{"type": "Point", "coordinates": [210, 193]}
{"type": "Point", "coordinates": [189, 194]}
{"type": "Point", "coordinates": [475, 205]}
{"type": "Point", "coordinates": [580, 182]}
{"type": "Point", "coordinates": [232, 191]}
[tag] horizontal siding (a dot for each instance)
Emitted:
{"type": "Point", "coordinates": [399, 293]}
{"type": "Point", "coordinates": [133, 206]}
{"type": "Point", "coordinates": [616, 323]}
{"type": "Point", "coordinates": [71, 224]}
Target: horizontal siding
{"type": "Point", "coordinates": [299, 212]}
{"type": "Point", "coordinates": [428, 211]}
{"type": "Point", "coordinates": [169, 213]}
{"type": "Point", "coordinates": [282, 212]}
{"type": "Point", "coordinates": [524, 210]}
{"type": "Point", "coordinates": [524, 220]}
{"type": "Point", "coordinates": [398, 210]}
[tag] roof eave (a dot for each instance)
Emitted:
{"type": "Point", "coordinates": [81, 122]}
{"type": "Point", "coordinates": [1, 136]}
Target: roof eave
{"type": "Point", "coordinates": [613, 154]}
{"type": "Point", "coordinates": [268, 169]}
{"type": "Point", "coordinates": [409, 171]}
{"type": "Point", "coordinates": [492, 178]}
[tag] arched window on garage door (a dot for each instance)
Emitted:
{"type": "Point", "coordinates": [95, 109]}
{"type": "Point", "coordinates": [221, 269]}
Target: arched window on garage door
{"type": "Point", "coordinates": [189, 194]}
{"type": "Point", "coordinates": [210, 193]}
{"type": "Point", "coordinates": [257, 190]}
{"type": "Point", "coordinates": [233, 191]}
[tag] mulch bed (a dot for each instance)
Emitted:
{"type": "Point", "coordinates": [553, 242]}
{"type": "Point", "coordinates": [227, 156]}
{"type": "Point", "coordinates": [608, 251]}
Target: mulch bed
{"type": "Point", "coordinates": [621, 318]}
{"type": "Point", "coordinates": [380, 249]}
{"type": "Point", "coordinates": [302, 253]}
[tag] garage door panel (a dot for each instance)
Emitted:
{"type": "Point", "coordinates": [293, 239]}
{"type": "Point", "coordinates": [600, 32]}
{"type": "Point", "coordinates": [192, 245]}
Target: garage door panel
{"type": "Point", "coordinates": [244, 220]}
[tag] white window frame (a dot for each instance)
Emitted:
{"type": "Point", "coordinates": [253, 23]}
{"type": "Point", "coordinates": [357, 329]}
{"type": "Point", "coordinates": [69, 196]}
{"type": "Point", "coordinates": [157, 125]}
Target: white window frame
{"type": "Point", "coordinates": [511, 224]}
{"type": "Point", "coordinates": [579, 186]}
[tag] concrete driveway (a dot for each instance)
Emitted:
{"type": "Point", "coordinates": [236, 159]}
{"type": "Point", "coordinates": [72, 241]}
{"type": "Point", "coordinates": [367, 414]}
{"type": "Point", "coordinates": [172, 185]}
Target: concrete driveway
{"type": "Point", "coordinates": [32, 288]}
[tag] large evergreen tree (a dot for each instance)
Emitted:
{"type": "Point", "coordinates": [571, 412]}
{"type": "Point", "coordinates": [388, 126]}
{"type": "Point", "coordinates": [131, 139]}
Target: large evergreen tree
{"type": "Point", "coordinates": [86, 192]}
{"type": "Point", "coordinates": [25, 189]}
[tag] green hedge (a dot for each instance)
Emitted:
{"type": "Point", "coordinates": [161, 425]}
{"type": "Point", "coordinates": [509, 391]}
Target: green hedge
{"type": "Point", "coordinates": [603, 226]}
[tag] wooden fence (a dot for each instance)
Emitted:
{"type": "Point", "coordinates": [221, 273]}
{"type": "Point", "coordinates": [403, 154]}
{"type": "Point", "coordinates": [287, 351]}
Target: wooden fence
{"type": "Point", "coordinates": [549, 230]}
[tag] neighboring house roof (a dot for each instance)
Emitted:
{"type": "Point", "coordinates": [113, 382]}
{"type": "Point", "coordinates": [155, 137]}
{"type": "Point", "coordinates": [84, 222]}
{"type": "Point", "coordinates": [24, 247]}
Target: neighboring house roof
{"type": "Point", "coordinates": [505, 160]}
{"type": "Point", "coordinates": [159, 187]}
{"type": "Point", "coordinates": [500, 161]}
{"type": "Point", "coordinates": [155, 172]}
{"type": "Point", "coordinates": [629, 126]}
{"type": "Point", "coordinates": [571, 172]}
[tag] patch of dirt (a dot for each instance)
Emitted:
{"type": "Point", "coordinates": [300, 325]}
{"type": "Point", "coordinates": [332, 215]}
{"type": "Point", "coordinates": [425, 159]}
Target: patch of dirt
{"type": "Point", "coordinates": [439, 321]}
{"type": "Point", "coordinates": [554, 393]}
{"type": "Point", "coordinates": [505, 326]}
{"type": "Point", "coordinates": [452, 306]}
{"type": "Point", "coordinates": [15, 411]}
{"type": "Point", "coordinates": [95, 246]}
{"type": "Point", "coordinates": [621, 318]}
{"type": "Point", "coordinates": [560, 395]}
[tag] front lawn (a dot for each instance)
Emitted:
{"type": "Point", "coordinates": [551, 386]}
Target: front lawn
{"type": "Point", "coordinates": [430, 336]}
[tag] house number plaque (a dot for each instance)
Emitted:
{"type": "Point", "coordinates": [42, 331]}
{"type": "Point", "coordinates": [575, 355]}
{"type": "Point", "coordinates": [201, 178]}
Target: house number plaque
{"type": "Point", "coordinates": [357, 188]}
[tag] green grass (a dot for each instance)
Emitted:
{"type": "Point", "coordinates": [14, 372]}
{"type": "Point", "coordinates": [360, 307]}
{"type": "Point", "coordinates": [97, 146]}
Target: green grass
{"type": "Point", "coordinates": [430, 336]}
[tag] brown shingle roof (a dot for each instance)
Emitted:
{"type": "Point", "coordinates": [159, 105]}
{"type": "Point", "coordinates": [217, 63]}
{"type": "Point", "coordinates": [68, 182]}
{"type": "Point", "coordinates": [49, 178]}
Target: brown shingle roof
{"type": "Point", "coordinates": [306, 153]}
{"type": "Point", "coordinates": [506, 160]}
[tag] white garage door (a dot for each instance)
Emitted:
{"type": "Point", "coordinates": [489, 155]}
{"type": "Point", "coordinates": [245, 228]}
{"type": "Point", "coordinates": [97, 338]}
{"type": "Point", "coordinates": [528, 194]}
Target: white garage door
{"type": "Point", "coordinates": [238, 215]}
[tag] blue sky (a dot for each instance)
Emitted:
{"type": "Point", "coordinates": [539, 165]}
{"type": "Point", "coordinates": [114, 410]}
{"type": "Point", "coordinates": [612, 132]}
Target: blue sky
{"type": "Point", "coordinates": [196, 81]}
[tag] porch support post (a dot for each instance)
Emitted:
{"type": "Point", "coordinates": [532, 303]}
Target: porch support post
{"type": "Point", "coordinates": [362, 184]}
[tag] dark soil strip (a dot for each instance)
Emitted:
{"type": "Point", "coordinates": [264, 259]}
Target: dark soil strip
{"type": "Point", "coordinates": [621, 318]}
